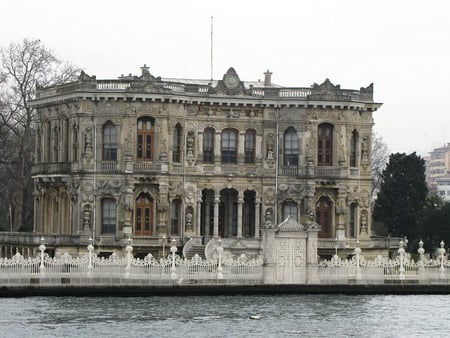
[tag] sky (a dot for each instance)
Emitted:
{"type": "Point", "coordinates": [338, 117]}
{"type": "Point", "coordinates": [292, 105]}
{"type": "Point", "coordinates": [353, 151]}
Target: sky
{"type": "Point", "coordinates": [402, 46]}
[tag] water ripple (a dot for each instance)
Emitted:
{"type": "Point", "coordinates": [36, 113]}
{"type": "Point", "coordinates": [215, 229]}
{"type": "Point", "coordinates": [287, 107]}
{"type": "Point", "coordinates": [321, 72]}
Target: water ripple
{"type": "Point", "coordinates": [227, 316]}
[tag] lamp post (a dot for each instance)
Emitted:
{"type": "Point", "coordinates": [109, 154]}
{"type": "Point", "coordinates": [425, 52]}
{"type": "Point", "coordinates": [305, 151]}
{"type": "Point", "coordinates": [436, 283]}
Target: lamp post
{"type": "Point", "coordinates": [401, 252]}
{"type": "Point", "coordinates": [42, 250]}
{"type": "Point", "coordinates": [357, 254]}
{"type": "Point", "coordinates": [90, 250]}
{"type": "Point", "coordinates": [421, 252]}
{"type": "Point", "coordinates": [441, 254]}
{"type": "Point", "coordinates": [129, 250]}
{"type": "Point", "coordinates": [173, 250]}
{"type": "Point", "coordinates": [164, 245]}
{"type": "Point", "coordinates": [335, 246]}
{"type": "Point", "coordinates": [219, 267]}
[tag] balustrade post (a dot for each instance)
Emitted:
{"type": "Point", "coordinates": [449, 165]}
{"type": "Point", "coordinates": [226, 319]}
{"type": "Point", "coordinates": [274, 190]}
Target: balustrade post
{"type": "Point", "coordinates": [401, 252]}
{"type": "Point", "coordinates": [441, 254]}
{"type": "Point", "coordinates": [90, 248]}
{"type": "Point", "coordinates": [42, 250]}
{"type": "Point", "coordinates": [129, 250]}
{"type": "Point", "coordinates": [219, 267]}
{"type": "Point", "coordinates": [173, 250]}
{"type": "Point", "coordinates": [357, 254]}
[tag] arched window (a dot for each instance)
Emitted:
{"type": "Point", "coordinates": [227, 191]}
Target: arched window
{"type": "Point", "coordinates": [144, 215]}
{"type": "Point", "coordinates": [176, 150]}
{"type": "Point", "coordinates": [175, 219]}
{"type": "Point", "coordinates": [56, 144]}
{"type": "Point", "coordinates": [353, 148]}
{"type": "Point", "coordinates": [325, 145]}
{"type": "Point", "coordinates": [323, 216]}
{"type": "Point", "coordinates": [250, 146]}
{"type": "Point", "coordinates": [208, 145]}
{"type": "Point", "coordinates": [145, 138]}
{"type": "Point", "coordinates": [229, 146]}
{"type": "Point", "coordinates": [290, 209]}
{"type": "Point", "coordinates": [66, 135]}
{"type": "Point", "coordinates": [108, 216]}
{"type": "Point", "coordinates": [109, 142]}
{"type": "Point", "coordinates": [290, 147]}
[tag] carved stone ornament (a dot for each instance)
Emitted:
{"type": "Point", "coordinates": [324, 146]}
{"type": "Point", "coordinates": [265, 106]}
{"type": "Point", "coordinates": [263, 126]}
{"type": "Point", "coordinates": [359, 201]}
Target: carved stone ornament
{"type": "Point", "coordinates": [230, 84]}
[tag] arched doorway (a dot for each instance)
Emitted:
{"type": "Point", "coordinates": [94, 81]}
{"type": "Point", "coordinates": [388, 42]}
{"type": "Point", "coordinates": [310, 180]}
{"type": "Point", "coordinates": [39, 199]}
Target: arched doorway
{"type": "Point", "coordinates": [207, 213]}
{"type": "Point", "coordinates": [143, 225]}
{"type": "Point", "coordinates": [248, 222]}
{"type": "Point", "coordinates": [228, 213]}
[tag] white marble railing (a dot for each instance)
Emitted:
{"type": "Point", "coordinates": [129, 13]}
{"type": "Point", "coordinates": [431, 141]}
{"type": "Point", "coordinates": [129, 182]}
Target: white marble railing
{"type": "Point", "coordinates": [294, 92]}
{"type": "Point", "coordinates": [112, 85]}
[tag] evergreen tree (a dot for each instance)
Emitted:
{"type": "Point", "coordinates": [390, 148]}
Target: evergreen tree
{"type": "Point", "coordinates": [434, 224]}
{"type": "Point", "coordinates": [402, 194]}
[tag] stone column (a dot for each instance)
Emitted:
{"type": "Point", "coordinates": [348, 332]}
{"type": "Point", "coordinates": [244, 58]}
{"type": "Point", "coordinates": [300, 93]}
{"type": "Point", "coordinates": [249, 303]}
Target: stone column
{"type": "Point", "coordinates": [241, 149]}
{"type": "Point", "coordinates": [199, 215]}
{"type": "Point", "coordinates": [216, 213]}
{"type": "Point", "coordinates": [217, 147]}
{"type": "Point", "coordinates": [239, 213]}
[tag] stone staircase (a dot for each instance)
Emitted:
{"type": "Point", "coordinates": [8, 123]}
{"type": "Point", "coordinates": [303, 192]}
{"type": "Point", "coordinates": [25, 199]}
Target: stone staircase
{"type": "Point", "coordinates": [196, 249]}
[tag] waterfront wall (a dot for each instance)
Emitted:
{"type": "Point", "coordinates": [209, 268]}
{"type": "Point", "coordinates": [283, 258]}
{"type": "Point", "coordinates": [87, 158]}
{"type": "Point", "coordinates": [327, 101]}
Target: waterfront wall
{"type": "Point", "coordinates": [88, 270]}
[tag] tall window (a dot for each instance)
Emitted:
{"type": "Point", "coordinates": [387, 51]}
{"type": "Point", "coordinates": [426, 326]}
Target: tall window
{"type": "Point", "coordinates": [176, 150]}
{"type": "Point", "coordinates": [352, 220]}
{"type": "Point", "coordinates": [66, 134]}
{"type": "Point", "coordinates": [48, 142]}
{"type": "Point", "coordinates": [290, 147]}
{"type": "Point", "coordinates": [325, 144]}
{"type": "Point", "coordinates": [75, 143]}
{"type": "Point", "coordinates": [290, 209]}
{"type": "Point", "coordinates": [323, 217]}
{"type": "Point", "coordinates": [56, 144]}
{"type": "Point", "coordinates": [250, 146]}
{"type": "Point", "coordinates": [145, 138]}
{"type": "Point", "coordinates": [353, 145]}
{"type": "Point", "coordinates": [175, 217]}
{"type": "Point", "coordinates": [229, 146]}
{"type": "Point", "coordinates": [109, 142]}
{"type": "Point", "coordinates": [108, 216]}
{"type": "Point", "coordinates": [208, 145]}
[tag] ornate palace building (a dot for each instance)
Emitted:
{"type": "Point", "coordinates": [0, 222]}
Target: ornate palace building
{"type": "Point", "coordinates": [157, 159]}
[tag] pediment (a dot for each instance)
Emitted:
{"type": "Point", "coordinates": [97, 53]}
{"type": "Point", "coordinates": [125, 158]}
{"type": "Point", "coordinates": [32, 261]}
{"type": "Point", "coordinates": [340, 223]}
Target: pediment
{"type": "Point", "coordinates": [230, 84]}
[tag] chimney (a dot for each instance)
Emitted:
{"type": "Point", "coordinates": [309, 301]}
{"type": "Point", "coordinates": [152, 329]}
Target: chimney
{"type": "Point", "coordinates": [267, 78]}
{"type": "Point", "coordinates": [144, 69]}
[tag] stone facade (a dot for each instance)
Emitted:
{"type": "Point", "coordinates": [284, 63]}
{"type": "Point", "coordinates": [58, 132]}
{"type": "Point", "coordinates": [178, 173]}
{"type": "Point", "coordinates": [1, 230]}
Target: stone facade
{"type": "Point", "coordinates": [159, 159]}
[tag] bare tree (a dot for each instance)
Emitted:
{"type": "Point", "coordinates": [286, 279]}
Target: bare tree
{"type": "Point", "coordinates": [379, 159]}
{"type": "Point", "coordinates": [23, 66]}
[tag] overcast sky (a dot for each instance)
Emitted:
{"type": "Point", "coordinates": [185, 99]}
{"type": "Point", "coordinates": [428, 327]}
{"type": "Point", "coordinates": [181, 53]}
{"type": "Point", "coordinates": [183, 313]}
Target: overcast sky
{"type": "Point", "coordinates": [403, 47]}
